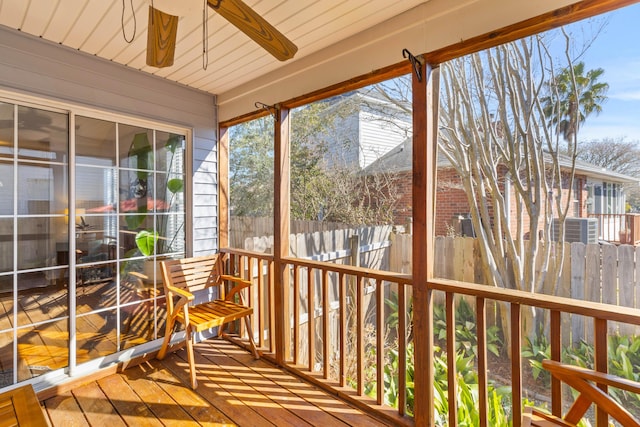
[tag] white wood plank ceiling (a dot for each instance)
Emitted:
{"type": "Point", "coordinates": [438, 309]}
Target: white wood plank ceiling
{"type": "Point", "coordinates": [96, 27]}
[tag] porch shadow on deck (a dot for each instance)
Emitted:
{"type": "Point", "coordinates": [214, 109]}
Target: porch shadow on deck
{"type": "Point", "coordinates": [234, 389]}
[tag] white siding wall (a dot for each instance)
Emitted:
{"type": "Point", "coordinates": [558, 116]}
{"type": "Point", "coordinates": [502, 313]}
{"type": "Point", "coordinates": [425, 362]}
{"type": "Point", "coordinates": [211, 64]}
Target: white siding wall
{"type": "Point", "coordinates": [342, 142]}
{"type": "Point", "coordinates": [377, 136]}
{"type": "Point", "coordinates": [37, 68]}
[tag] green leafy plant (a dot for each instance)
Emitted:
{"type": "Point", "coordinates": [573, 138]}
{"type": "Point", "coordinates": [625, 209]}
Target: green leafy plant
{"type": "Point", "coordinates": [467, 377]}
{"type": "Point", "coordinates": [536, 351]}
{"type": "Point", "coordinates": [149, 241]}
{"type": "Point", "coordinates": [146, 241]}
{"type": "Point", "coordinates": [466, 333]}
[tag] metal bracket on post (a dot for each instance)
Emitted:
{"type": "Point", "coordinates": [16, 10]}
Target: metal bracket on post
{"type": "Point", "coordinates": [272, 109]}
{"type": "Point", "coordinates": [416, 61]}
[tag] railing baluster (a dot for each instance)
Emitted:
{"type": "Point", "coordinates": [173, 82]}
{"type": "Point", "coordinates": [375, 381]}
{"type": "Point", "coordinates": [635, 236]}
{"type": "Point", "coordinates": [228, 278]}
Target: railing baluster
{"type": "Point", "coordinates": [452, 385]}
{"type": "Point", "coordinates": [380, 340]}
{"type": "Point", "coordinates": [360, 333]}
{"type": "Point", "coordinates": [402, 349]}
{"type": "Point", "coordinates": [556, 344]}
{"type": "Point", "coordinates": [516, 364]}
{"type": "Point", "coordinates": [325, 324]}
{"type": "Point", "coordinates": [261, 302]}
{"type": "Point", "coordinates": [233, 265]}
{"type": "Point", "coordinates": [296, 314]}
{"type": "Point", "coordinates": [600, 364]}
{"type": "Point", "coordinates": [272, 320]}
{"type": "Point", "coordinates": [343, 327]}
{"type": "Point", "coordinates": [481, 325]}
{"type": "Point", "coordinates": [245, 270]}
{"type": "Point", "coordinates": [311, 320]}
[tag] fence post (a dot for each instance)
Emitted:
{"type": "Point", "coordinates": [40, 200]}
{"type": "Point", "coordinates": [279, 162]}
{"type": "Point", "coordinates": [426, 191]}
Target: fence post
{"type": "Point", "coordinates": [354, 248]}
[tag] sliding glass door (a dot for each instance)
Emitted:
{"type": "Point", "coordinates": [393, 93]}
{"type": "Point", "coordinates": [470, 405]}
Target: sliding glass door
{"type": "Point", "coordinates": [86, 207]}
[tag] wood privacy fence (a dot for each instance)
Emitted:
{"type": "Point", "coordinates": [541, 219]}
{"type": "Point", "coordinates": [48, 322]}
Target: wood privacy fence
{"type": "Point", "coordinates": [367, 247]}
{"type": "Point", "coordinates": [243, 227]}
{"type": "Point", "coordinates": [592, 272]}
{"type": "Point", "coordinates": [603, 273]}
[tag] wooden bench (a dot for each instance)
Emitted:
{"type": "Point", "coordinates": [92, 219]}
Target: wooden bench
{"type": "Point", "coordinates": [183, 277]}
{"type": "Point", "coordinates": [585, 382]}
{"type": "Point", "coordinates": [20, 407]}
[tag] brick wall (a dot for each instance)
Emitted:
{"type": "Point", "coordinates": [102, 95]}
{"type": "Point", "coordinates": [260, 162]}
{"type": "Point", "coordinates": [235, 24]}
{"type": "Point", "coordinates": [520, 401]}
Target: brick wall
{"type": "Point", "coordinates": [451, 200]}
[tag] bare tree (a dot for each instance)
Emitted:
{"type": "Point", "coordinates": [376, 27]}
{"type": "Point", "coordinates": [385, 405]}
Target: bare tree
{"type": "Point", "coordinates": [615, 154]}
{"type": "Point", "coordinates": [494, 134]}
{"type": "Point", "coordinates": [618, 155]}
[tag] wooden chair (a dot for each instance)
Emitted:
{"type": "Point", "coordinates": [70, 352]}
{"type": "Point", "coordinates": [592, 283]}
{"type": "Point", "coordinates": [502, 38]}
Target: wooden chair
{"type": "Point", "coordinates": [585, 382]}
{"type": "Point", "coordinates": [183, 277]}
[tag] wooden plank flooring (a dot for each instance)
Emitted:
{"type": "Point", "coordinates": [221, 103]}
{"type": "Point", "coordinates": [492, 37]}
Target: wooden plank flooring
{"type": "Point", "coordinates": [234, 389]}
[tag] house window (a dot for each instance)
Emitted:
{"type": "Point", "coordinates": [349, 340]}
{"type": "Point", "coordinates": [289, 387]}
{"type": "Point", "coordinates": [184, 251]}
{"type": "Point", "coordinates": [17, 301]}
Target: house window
{"type": "Point", "coordinates": [613, 198]}
{"type": "Point", "coordinates": [71, 206]}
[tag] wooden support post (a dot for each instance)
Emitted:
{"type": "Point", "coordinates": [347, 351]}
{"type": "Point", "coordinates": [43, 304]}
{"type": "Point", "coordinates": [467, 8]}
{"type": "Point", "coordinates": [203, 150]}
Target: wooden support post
{"type": "Point", "coordinates": [281, 217]}
{"type": "Point", "coordinates": [425, 102]}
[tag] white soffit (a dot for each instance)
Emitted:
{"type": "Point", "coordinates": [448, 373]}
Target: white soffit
{"type": "Point", "coordinates": [427, 27]}
{"type": "Point", "coordinates": [337, 39]}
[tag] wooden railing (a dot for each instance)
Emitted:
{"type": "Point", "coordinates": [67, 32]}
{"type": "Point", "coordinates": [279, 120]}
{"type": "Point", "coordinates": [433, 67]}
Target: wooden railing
{"type": "Point", "coordinates": [343, 355]}
{"type": "Point", "coordinates": [619, 228]}
{"type": "Point", "coordinates": [258, 268]}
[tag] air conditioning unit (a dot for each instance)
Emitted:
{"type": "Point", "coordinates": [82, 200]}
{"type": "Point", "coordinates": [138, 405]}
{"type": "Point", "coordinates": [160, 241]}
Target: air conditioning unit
{"type": "Point", "coordinates": [583, 230]}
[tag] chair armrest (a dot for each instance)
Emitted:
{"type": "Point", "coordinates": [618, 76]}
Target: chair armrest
{"type": "Point", "coordinates": [179, 291]}
{"type": "Point", "coordinates": [235, 279]}
{"type": "Point", "coordinates": [185, 297]}
{"type": "Point", "coordinates": [241, 284]}
{"type": "Point", "coordinates": [591, 375]}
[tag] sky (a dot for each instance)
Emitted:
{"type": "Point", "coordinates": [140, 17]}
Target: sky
{"type": "Point", "coordinates": [617, 51]}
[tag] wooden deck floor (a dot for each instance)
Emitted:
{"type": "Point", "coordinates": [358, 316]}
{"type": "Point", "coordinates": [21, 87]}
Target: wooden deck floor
{"type": "Point", "coordinates": [234, 389]}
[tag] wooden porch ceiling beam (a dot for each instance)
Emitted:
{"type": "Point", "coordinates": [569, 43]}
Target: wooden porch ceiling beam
{"type": "Point", "coordinates": [538, 24]}
{"type": "Point", "coordinates": [376, 76]}
{"type": "Point", "coordinates": [528, 27]}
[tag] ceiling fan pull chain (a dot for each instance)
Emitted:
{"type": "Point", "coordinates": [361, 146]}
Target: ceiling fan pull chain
{"type": "Point", "coordinates": [124, 34]}
{"type": "Point", "coordinates": [205, 37]}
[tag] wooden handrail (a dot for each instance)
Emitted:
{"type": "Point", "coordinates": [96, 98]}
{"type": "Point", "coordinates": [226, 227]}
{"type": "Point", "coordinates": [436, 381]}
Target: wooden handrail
{"type": "Point", "coordinates": [310, 341]}
{"type": "Point", "coordinates": [351, 270]}
{"type": "Point", "coordinates": [566, 305]}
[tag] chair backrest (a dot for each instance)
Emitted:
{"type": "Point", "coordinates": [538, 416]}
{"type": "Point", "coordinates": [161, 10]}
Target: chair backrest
{"type": "Point", "coordinates": [192, 274]}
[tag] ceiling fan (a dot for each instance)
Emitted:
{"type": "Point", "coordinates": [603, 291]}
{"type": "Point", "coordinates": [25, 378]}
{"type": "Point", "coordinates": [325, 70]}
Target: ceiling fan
{"type": "Point", "coordinates": [163, 27]}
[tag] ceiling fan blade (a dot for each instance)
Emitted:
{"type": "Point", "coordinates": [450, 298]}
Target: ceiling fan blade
{"type": "Point", "coordinates": [161, 38]}
{"type": "Point", "coordinates": [256, 27]}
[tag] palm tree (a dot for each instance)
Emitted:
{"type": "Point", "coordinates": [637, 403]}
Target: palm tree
{"type": "Point", "coordinates": [574, 95]}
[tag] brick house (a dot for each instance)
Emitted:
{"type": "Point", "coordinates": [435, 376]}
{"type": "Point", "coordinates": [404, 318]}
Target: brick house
{"type": "Point", "coordinates": [596, 190]}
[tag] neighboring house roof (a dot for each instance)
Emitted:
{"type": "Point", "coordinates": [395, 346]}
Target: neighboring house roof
{"type": "Point", "coordinates": [399, 159]}
{"type": "Point", "coordinates": [598, 172]}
